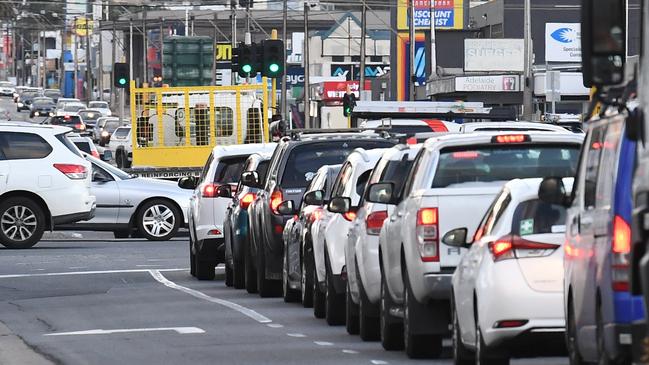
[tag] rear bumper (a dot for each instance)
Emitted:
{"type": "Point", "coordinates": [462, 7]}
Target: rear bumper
{"type": "Point", "coordinates": [210, 250]}
{"type": "Point", "coordinates": [527, 343]}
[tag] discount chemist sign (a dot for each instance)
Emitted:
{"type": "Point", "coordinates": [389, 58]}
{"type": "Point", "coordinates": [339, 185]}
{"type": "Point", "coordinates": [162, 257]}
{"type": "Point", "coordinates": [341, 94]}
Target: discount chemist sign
{"type": "Point", "coordinates": [449, 14]}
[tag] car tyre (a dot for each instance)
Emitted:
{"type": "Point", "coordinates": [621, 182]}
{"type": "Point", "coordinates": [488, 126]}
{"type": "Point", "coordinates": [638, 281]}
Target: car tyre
{"type": "Point", "coordinates": [228, 275]}
{"type": "Point", "coordinates": [369, 323]}
{"type": "Point", "coordinates": [461, 354]}
{"type": "Point", "coordinates": [238, 275]}
{"type": "Point", "coordinates": [158, 220]}
{"type": "Point", "coordinates": [205, 269]}
{"type": "Point", "coordinates": [122, 234]}
{"type": "Point", "coordinates": [335, 303]}
{"type": "Point", "coordinates": [319, 297]}
{"type": "Point", "coordinates": [118, 159]}
{"type": "Point", "coordinates": [391, 329]}
{"type": "Point", "coordinates": [290, 295]}
{"type": "Point", "coordinates": [250, 273]}
{"type": "Point", "coordinates": [603, 358]}
{"type": "Point", "coordinates": [306, 283]}
{"type": "Point", "coordinates": [571, 337]}
{"type": "Point", "coordinates": [482, 354]}
{"type": "Point", "coordinates": [23, 222]}
{"type": "Point", "coordinates": [417, 346]}
{"type": "Point", "coordinates": [266, 288]}
{"type": "Point", "coordinates": [351, 314]}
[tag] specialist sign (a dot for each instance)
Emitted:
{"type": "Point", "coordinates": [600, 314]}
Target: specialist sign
{"type": "Point", "coordinates": [449, 14]}
{"type": "Point", "coordinates": [563, 42]}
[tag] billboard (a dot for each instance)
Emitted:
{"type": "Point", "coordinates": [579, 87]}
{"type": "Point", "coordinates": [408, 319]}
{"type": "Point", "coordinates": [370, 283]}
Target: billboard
{"type": "Point", "coordinates": [495, 83]}
{"type": "Point", "coordinates": [563, 42]}
{"type": "Point", "coordinates": [403, 63]}
{"type": "Point", "coordinates": [494, 55]}
{"type": "Point", "coordinates": [449, 14]}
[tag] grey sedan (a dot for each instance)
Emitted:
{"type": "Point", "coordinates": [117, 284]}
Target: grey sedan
{"type": "Point", "coordinates": [153, 209]}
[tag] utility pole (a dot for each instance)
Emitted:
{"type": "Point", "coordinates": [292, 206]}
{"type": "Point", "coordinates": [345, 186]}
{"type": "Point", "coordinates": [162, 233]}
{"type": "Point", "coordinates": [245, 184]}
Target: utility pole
{"type": "Point", "coordinates": [433, 47]}
{"type": "Point", "coordinates": [527, 77]}
{"type": "Point", "coordinates": [283, 106]}
{"type": "Point", "coordinates": [130, 51]}
{"type": "Point", "coordinates": [76, 62]}
{"type": "Point", "coordinates": [233, 19]}
{"type": "Point", "coordinates": [363, 50]}
{"type": "Point", "coordinates": [214, 50]}
{"type": "Point", "coordinates": [88, 61]}
{"type": "Point", "coordinates": [37, 82]}
{"type": "Point", "coordinates": [145, 68]}
{"type": "Point", "coordinates": [113, 97]}
{"type": "Point", "coordinates": [307, 86]}
{"type": "Point", "coordinates": [64, 39]}
{"type": "Point", "coordinates": [13, 50]}
{"type": "Point", "coordinates": [100, 66]}
{"type": "Point", "coordinates": [413, 71]}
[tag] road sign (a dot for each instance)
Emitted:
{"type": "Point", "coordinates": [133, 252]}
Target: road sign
{"type": "Point", "coordinates": [82, 26]}
{"type": "Point", "coordinates": [553, 86]}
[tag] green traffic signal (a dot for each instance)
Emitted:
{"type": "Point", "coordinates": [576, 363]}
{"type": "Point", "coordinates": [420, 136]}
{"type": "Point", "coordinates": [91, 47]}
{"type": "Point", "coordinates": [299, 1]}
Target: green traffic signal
{"type": "Point", "coordinates": [247, 68]}
{"type": "Point", "coordinates": [122, 81]}
{"type": "Point", "coordinates": [273, 67]}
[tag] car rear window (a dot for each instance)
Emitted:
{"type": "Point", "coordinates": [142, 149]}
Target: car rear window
{"type": "Point", "coordinates": [229, 170]}
{"type": "Point", "coordinates": [503, 163]}
{"type": "Point", "coordinates": [65, 120]}
{"type": "Point", "coordinates": [121, 132]}
{"type": "Point", "coordinates": [262, 169]}
{"type": "Point", "coordinates": [305, 160]}
{"type": "Point", "coordinates": [27, 146]}
{"type": "Point", "coordinates": [67, 143]}
{"type": "Point", "coordinates": [83, 146]}
{"type": "Point", "coordinates": [396, 173]}
{"type": "Point", "coordinates": [111, 126]}
{"type": "Point", "coordinates": [537, 217]}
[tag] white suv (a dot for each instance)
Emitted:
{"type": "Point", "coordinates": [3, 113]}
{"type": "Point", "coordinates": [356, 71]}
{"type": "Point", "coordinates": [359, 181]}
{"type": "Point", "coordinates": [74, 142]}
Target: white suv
{"type": "Point", "coordinates": [121, 145]}
{"type": "Point", "coordinates": [212, 195]}
{"type": "Point", "coordinates": [44, 181]}
{"type": "Point", "coordinates": [452, 182]}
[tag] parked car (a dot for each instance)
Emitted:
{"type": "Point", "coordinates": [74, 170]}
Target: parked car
{"type": "Point", "coordinates": [121, 145]}
{"type": "Point", "coordinates": [599, 306]}
{"type": "Point", "coordinates": [293, 165]}
{"type": "Point", "coordinates": [299, 268]}
{"type": "Point", "coordinates": [453, 180]}
{"type": "Point", "coordinates": [101, 106]}
{"type": "Point", "coordinates": [518, 255]}
{"type": "Point", "coordinates": [235, 226]}
{"type": "Point", "coordinates": [41, 107]}
{"type": "Point", "coordinates": [55, 94]}
{"type": "Point", "coordinates": [26, 98]}
{"type": "Point", "coordinates": [154, 209]}
{"type": "Point", "coordinates": [212, 192]}
{"type": "Point", "coordinates": [71, 121]}
{"type": "Point", "coordinates": [7, 88]}
{"type": "Point", "coordinates": [362, 251]}
{"type": "Point", "coordinates": [46, 182]}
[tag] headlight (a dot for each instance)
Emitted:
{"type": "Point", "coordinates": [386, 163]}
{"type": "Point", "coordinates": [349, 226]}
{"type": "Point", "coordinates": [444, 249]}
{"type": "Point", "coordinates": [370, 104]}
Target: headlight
{"type": "Point", "coordinates": [37, 113]}
{"type": "Point", "coordinates": [104, 134]}
{"type": "Point", "coordinates": [51, 114]}
{"type": "Point", "coordinates": [20, 105]}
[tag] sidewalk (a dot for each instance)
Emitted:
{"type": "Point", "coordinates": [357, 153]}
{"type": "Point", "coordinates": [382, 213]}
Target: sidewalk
{"type": "Point", "coordinates": [14, 351]}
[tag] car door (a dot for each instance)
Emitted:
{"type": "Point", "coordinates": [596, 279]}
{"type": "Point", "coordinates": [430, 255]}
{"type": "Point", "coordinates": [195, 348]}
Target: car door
{"type": "Point", "coordinates": [106, 190]}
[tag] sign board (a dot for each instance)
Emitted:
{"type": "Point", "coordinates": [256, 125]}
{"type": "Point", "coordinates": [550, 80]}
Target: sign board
{"type": "Point", "coordinates": [494, 55]}
{"type": "Point", "coordinates": [495, 83]}
{"type": "Point", "coordinates": [553, 86]}
{"type": "Point", "coordinates": [449, 14]}
{"type": "Point", "coordinates": [335, 90]}
{"type": "Point", "coordinates": [563, 42]}
{"type": "Point", "coordinates": [82, 26]}
{"type": "Point", "coordinates": [223, 52]}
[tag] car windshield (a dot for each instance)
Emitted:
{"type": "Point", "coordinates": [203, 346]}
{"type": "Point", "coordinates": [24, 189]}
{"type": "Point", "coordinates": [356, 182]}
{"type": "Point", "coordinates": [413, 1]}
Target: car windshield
{"type": "Point", "coordinates": [480, 164]}
{"type": "Point", "coordinates": [110, 168]}
{"type": "Point", "coordinates": [121, 132]}
{"type": "Point", "coordinates": [111, 125]}
{"type": "Point", "coordinates": [65, 120]}
{"type": "Point", "coordinates": [98, 104]}
{"type": "Point", "coordinates": [29, 94]}
{"type": "Point", "coordinates": [5, 84]}
{"type": "Point", "coordinates": [305, 160]}
{"type": "Point", "coordinates": [73, 108]}
{"type": "Point", "coordinates": [43, 103]}
{"type": "Point", "coordinates": [87, 114]}
{"type": "Point", "coordinates": [52, 93]}
{"type": "Point", "coordinates": [537, 217]}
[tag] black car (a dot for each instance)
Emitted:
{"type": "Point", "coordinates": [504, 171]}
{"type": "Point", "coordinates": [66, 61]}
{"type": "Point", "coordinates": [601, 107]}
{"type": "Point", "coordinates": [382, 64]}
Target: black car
{"type": "Point", "coordinates": [72, 121]}
{"type": "Point", "coordinates": [42, 107]}
{"type": "Point", "coordinates": [52, 93]}
{"type": "Point", "coordinates": [235, 227]}
{"type": "Point", "coordinates": [25, 100]}
{"type": "Point", "coordinates": [294, 163]}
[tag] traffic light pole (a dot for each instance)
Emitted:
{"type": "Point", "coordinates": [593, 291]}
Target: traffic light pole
{"type": "Point", "coordinates": [363, 50]}
{"type": "Point", "coordinates": [307, 91]}
{"type": "Point", "coordinates": [284, 35]}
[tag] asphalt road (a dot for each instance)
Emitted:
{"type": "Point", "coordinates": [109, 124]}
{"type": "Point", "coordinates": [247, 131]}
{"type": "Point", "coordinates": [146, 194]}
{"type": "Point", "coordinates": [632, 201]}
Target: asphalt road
{"type": "Point", "coordinates": [86, 298]}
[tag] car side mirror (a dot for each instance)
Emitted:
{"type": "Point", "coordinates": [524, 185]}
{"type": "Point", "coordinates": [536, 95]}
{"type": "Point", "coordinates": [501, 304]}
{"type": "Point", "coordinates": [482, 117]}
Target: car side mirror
{"type": "Point", "coordinates": [250, 179]}
{"type": "Point", "coordinates": [456, 238]}
{"type": "Point", "coordinates": [340, 204]}
{"type": "Point", "coordinates": [552, 191]}
{"type": "Point", "coordinates": [107, 155]}
{"type": "Point", "coordinates": [98, 177]}
{"type": "Point", "coordinates": [224, 191]}
{"type": "Point", "coordinates": [381, 193]}
{"type": "Point", "coordinates": [286, 207]}
{"type": "Point", "coordinates": [188, 182]}
{"type": "Point", "coordinates": [315, 197]}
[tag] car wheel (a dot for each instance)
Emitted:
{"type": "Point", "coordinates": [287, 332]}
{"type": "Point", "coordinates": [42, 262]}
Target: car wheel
{"type": "Point", "coordinates": [228, 275]}
{"type": "Point", "coordinates": [192, 259]}
{"type": "Point", "coordinates": [482, 355]}
{"type": "Point", "coordinates": [266, 288]}
{"type": "Point", "coordinates": [122, 234]}
{"type": "Point", "coordinates": [603, 358]}
{"type": "Point", "coordinates": [571, 338]}
{"type": "Point", "coordinates": [306, 283]}
{"type": "Point", "coordinates": [319, 298]}
{"type": "Point", "coordinates": [391, 328]}
{"type": "Point", "coordinates": [290, 295]}
{"type": "Point", "coordinates": [417, 346]}
{"type": "Point", "coordinates": [369, 322]}
{"type": "Point", "coordinates": [335, 303]}
{"type": "Point", "coordinates": [22, 222]}
{"type": "Point", "coordinates": [351, 314]}
{"type": "Point", "coordinates": [126, 163]}
{"type": "Point", "coordinates": [118, 159]}
{"type": "Point", "coordinates": [158, 220]}
{"type": "Point", "coordinates": [205, 269]}
{"type": "Point", "coordinates": [238, 275]}
{"type": "Point", "coordinates": [250, 273]}
{"type": "Point", "coordinates": [461, 354]}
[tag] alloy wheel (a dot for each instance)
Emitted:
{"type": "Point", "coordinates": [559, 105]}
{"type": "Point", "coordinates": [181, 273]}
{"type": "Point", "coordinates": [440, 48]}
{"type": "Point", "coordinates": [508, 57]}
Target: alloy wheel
{"type": "Point", "coordinates": [18, 223]}
{"type": "Point", "coordinates": [159, 220]}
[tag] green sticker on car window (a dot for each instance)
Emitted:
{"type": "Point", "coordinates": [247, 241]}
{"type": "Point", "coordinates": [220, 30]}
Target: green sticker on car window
{"type": "Point", "coordinates": [527, 226]}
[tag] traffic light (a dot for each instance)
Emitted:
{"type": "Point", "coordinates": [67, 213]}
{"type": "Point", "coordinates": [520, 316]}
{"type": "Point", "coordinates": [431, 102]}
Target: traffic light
{"type": "Point", "coordinates": [349, 102]}
{"type": "Point", "coordinates": [247, 64]}
{"type": "Point", "coordinates": [273, 58]}
{"type": "Point", "coordinates": [120, 75]}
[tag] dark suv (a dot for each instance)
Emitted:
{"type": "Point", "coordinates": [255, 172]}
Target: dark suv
{"type": "Point", "coordinates": [294, 163]}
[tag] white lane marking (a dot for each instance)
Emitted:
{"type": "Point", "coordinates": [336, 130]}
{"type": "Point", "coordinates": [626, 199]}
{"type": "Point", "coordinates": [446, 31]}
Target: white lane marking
{"type": "Point", "coordinates": [148, 265]}
{"type": "Point", "coordinates": [350, 351]}
{"type": "Point", "coordinates": [275, 325]}
{"type": "Point", "coordinates": [39, 269]}
{"type": "Point", "coordinates": [195, 293]}
{"type": "Point", "coordinates": [378, 362]}
{"type": "Point", "coordinates": [299, 335]}
{"type": "Point", "coordinates": [12, 276]}
{"type": "Point", "coordinates": [180, 330]}
{"type": "Point", "coordinates": [77, 267]}
{"type": "Point", "coordinates": [323, 343]}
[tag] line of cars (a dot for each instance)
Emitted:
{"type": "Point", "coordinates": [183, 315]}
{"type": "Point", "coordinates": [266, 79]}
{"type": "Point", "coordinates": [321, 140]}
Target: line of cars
{"type": "Point", "coordinates": [479, 236]}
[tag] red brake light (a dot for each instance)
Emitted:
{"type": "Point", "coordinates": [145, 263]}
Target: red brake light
{"type": "Point", "coordinates": [94, 154]}
{"type": "Point", "coordinates": [621, 249]}
{"type": "Point", "coordinates": [511, 138]}
{"type": "Point", "coordinates": [244, 203]}
{"type": "Point", "coordinates": [350, 216]}
{"type": "Point", "coordinates": [276, 198]}
{"type": "Point", "coordinates": [427, 234]}
{"type": "Point", "coordinates": [316, 215]}
{"type": "Point", "coordinates": [74, 172]}
{"type": "Point", "coordinates": [209, 190]}
{"type": "Point", "coordinates": [621, 236]}
{"type": "Point", "coordinates": [374, 222]}
{"type": "Point", "coordinates": [465, 155]}
{"type": "Point", "coordinates": [510, 247]}
{"type": "Point", "coordinates": [500, 248]}
{"type": "Point", "coordinates": [66, 117]}
{"type": "Point", "coordinates": [512, 323]}
{"type": "Point", "coordinates": [411, 141]}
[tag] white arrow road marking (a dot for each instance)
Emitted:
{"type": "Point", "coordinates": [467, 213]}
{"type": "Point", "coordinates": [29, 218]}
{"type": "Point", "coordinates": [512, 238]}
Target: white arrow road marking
{"type": "Point", "coordinates": [196, 294]}
{"type": "Point", "coordinates": [11, 276]}
{"type": "Point", "coordinates": [180, 330]}
{"type": "Point", "coordinates": [323, 343]}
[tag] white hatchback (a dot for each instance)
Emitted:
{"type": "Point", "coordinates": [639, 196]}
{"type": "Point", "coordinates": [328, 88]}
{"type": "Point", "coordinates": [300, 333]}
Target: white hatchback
{"type": "Point", "coordinates": [44, 181]}
{"type": "Point", "coordinates": [507, 290]}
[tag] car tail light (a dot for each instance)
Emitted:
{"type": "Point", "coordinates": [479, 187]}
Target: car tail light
{"type": "Point", "coordinates": [316, 215]}
{"type": "Point", "coordinates": [511, 247]}
{"type": "Point", "coordinates": [350, 216]}
{"type": "Point", "coordinates": [276, 198]}
{"type": "Point", "coordinates": [94, 154]}
{"type": "Point", "coordinates": [80, 126]}
{"type": "Point", "coordinates": [246, 200]}
{"type": "Point", "coordinates": [74, 172]}
{"type": "Point", "coordinates": [427, 234]}
{"type": "Point", "coordinates": [621, 249]}
{"type": "Point", "coordinates": [511, 323]}
{"type": "Point", "coordinates": [374, 222]}
{"type": "Point", "coordinates": [511, 138]}
{"type": "Point", "coordinates": [209, 190]}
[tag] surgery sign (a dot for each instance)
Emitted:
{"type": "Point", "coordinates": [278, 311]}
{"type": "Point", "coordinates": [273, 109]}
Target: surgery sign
{"type": "Point", "coordinates": [449, 14]}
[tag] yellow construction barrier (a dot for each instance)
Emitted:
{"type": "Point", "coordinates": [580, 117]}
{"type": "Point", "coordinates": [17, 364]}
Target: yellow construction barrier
{"type": "Point", "coordinates": [179, 126]}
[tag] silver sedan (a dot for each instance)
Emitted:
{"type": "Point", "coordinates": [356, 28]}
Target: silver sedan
{"type": "Point", "coordinates": [153, 209]}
